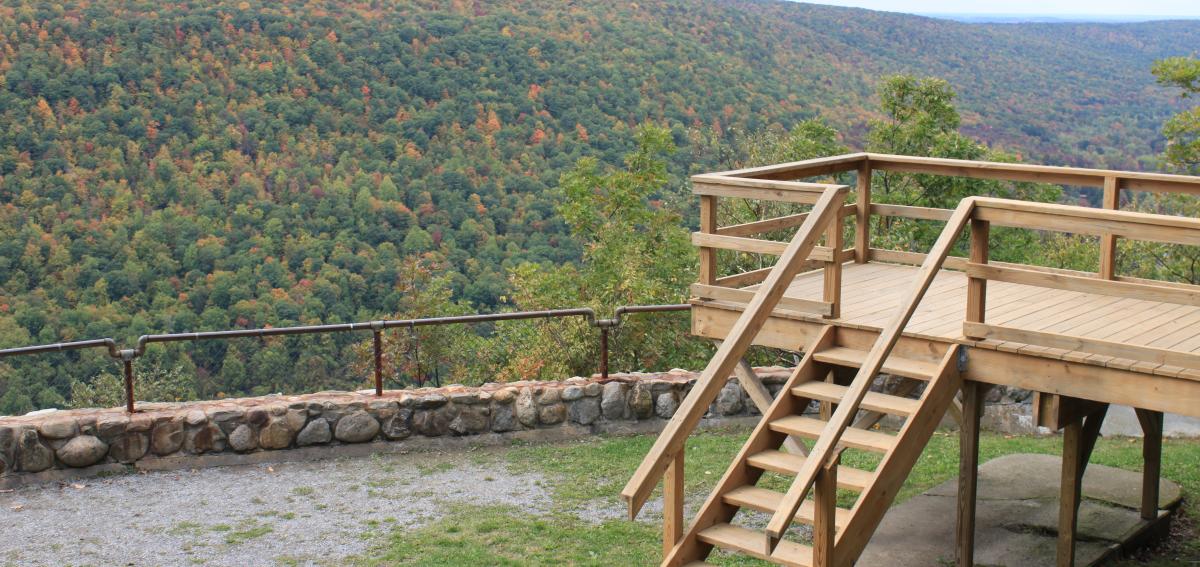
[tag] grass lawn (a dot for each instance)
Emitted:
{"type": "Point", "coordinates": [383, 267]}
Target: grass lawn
{"type": "Point", "coordinates": [587, 476]}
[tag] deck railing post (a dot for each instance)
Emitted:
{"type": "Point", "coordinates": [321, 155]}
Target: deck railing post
{"type": "Point", "coordinates": [708, 225]}
{"type": "Point", "coordinates": [977, 287]}
{"type": "Point", "coordinates": [1108, 242]}
{"type": "Point", "coordinates": [835, 240]}
{"type": "Point", "coordinates": [862, 214]}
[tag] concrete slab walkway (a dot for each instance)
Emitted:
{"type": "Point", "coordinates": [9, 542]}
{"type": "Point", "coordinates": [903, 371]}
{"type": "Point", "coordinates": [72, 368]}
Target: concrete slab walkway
{"type": "Point", "coordinates": [1017, 516]}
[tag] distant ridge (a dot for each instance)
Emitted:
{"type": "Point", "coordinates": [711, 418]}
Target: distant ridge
{"type": "Point", "coordinates": [1052, 18]}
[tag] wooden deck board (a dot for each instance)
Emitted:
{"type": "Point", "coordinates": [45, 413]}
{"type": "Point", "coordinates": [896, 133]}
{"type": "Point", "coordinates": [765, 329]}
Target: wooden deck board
{"type": "Point", "coordinates": [872, 292]}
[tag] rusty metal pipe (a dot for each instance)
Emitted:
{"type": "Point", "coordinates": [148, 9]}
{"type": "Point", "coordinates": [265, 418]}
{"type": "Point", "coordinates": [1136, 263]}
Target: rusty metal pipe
{"type": "Point", "coordinates": [144, 340]}
{"type": "Point", "coordinates": [128, 355]}
{"type": "Point", "coordinates": [110, 344]}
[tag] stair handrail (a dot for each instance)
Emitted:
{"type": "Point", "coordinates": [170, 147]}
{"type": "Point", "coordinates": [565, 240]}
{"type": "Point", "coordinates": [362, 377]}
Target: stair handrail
{"type": "Point", "coordinates": [671, 441]}
{"type": "Point", "coordinates": [824, 448]}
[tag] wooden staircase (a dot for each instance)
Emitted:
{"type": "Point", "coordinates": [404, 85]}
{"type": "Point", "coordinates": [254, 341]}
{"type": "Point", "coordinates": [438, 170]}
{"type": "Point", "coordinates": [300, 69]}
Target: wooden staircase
{"type": "Point", "coordinates": [719, 523]}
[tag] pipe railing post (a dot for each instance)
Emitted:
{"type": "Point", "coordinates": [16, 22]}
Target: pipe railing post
{"type": "Point", "coordinates": [603, 352]}
{"type": "Point", "coordinates": [377, 332]}
{"type": "Point", "coordinates": [127, 357]}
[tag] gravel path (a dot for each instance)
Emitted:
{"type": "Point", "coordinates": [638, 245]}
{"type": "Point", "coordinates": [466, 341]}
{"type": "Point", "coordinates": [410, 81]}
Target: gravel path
{"type": "Point", "coordinates": [311, 513]}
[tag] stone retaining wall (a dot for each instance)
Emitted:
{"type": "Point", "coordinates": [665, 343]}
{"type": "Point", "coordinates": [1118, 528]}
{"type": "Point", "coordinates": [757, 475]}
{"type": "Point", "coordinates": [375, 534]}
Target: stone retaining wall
{"type": "Point", "coordinates": [92, 438]}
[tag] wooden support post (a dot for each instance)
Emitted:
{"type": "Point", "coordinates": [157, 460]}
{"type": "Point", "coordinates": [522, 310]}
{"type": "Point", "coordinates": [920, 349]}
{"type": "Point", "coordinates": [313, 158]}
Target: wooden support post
{"type": "Point", "coordinates": [824, 514]}
{"type": "Point", "coordinates": [673, 504]}
{"type": "Point", "coordinates": [708, 224]}
{"type": "Point", "coordinates": [1152, 429]}
{"type": "Point", "coordinates": [1079, 438]}
{"type": "Point", "coordinates": [862, 214]}
{"type": "Point", "coordinates": [867, 419]}
{"type": "Point", "coordinates": [761, 397]}
{"type": "Point", "coordinates": [956, 409]}
{"type": "Point", "coordinates": [835, 240]}
{"type": "Point", "coordinates": [977, 287]}
{"type": "Point", "coordinates": [968, 471]}
{"type": "Point", "coordinates": [1108, 242]}
{"type": "Point", "coordinates": [1069, 492]}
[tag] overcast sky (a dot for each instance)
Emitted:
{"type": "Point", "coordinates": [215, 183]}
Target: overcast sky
{"type": "Point", "coordinates": [1041, 7]}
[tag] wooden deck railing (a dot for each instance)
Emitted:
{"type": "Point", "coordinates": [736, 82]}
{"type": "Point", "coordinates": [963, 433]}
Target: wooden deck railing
{"type": "Point", "coordinates": [759, 186]}
{"type": "Point", "coordinates": [737, 238]}
{"type": "Point", "coordinates": [1079, 220]}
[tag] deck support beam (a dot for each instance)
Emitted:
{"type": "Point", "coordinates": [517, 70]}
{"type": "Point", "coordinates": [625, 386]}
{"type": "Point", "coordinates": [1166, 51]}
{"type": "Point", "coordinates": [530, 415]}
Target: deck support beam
{"type": "Point", "coordinates": [1055, 412]}
{"type": "Point", "coordinates": [1079, 438]}
{"type": "Point", "coordinates": [1152, 429]}
{"type": "Point", "coordinates": [968, 470]}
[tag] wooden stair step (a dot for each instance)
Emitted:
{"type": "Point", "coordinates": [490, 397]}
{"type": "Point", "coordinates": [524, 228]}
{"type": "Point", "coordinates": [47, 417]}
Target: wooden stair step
{"type": "Point", "coordinates": [873, 401]}
{"type": "Point", "coordinates": [853, 358]}
{"type": "Point", "coordinates": [787, 463]}
{"type": "Point", "coordinates": [753, 543]}
{"type": "Point", "coordinates": [852, 437]}
{"type": "Point", "coordinates": [765, 500]}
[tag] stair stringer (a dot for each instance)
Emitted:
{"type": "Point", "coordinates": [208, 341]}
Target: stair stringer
{"type": "Point", "coordinates": [891, 472]}
{"type": "Point", "coordinates": [740, 473]}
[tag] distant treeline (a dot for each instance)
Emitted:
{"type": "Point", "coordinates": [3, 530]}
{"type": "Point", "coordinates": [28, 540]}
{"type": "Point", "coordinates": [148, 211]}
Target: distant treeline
{"type": "Point", "coordinates": [169, 167]}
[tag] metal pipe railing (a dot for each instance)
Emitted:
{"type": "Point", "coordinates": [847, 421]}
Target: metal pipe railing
{"type": "Point", "coordinates": [127, 356]}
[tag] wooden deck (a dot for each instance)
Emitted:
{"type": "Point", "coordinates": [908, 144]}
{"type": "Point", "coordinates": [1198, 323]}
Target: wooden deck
{"type": "Point", "coordinates": [872, 292]}
{"type": "Point", "coordinates": [1079, 340]}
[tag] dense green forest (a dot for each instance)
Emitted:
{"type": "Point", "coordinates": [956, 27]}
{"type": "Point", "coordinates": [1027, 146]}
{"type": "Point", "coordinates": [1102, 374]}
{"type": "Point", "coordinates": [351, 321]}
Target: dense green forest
{"type": "Point", "coordinates": [169, 167]}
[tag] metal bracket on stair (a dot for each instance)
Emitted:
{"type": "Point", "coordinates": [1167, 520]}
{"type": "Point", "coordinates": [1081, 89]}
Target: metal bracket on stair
{"type": "Point", "coordinates": [962, 358]}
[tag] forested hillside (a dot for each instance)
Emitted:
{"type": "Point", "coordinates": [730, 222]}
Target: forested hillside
{"type": "Point", "coordinates": [192, 166]}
